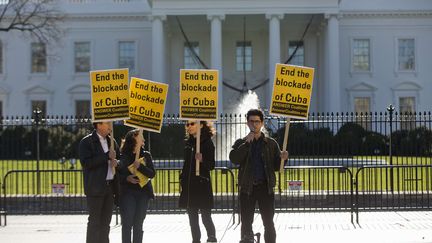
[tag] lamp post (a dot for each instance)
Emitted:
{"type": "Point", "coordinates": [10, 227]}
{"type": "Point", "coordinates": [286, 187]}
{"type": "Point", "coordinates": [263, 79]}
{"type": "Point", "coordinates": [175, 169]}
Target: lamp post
{"type": "Point", "coordinates": [391, 109]}
{"type": "Point", "coordinates": [37, 114]}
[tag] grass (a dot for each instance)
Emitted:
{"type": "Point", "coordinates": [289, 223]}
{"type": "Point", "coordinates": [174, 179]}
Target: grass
{"type": "Point", "coordinates": [166, 181]}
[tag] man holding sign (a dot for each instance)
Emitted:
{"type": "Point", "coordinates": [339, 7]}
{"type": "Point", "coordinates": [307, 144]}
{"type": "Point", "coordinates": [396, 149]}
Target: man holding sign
{"type": "Point", "coordinates": [98, 151]}
{"type": "Point", "coordinates": [100, 181]}
{"type": "Point", "coordinates": [258, 157]}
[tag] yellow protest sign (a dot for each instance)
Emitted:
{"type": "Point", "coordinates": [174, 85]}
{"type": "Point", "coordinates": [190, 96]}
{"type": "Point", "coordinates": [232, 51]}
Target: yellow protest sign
{"type": "Point", "coordinates": [147, 104]}
{"type": "Point", "coordinates": [199, 94]}
{"type": "Point", "coordinates": [109, 94]}
{"type": "Point", "coordinates": [292, 89]}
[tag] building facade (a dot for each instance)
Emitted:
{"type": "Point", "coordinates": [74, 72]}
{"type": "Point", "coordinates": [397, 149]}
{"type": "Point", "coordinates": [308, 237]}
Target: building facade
{"type": "Point", "coordinates": [366, 54]}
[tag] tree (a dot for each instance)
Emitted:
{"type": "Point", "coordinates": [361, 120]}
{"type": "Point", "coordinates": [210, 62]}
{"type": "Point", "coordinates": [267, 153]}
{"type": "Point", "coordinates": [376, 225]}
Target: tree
{"type": "Point", "coordinates": [39, 18]}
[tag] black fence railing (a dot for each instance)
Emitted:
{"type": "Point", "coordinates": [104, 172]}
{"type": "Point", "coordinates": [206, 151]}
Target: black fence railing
{"type": "Point", "coordinates": [393, 187]}
{"type": "Point", "coordinates": [60, 191]}
{"type": "Point", "coordinates": [325, 152]}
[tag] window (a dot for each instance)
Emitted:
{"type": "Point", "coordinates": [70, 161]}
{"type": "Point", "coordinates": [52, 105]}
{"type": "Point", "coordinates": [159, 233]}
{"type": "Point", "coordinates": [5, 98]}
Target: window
{"type": "Point", "coordinates": [127, 52]}
{"type": "Point", "coordinates": [82, 56]}
{"type": "Point", "coordinates": [407, 109]}
{"type": "Point", "coordinates": [190, 62]}
{"type": "Point", "coordinates": [38, 57]}
{"type": "Point", "coordinates": [39, 104]}
{"type": "Point", "coordinates": [406, 55]}
{"type": "Point", "coordinates": [244, 56]}
{"type": "Point", "coordinates": [361, 55]}
{"type": "Point", "coordinates": [82, 108]}
{"type": "Point", "coordinates": [362, 106]}
{"type": "Point", "coordinates": [298, 58]}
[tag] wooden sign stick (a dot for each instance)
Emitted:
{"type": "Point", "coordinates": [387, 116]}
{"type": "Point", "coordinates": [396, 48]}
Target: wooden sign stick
{"type": "Point", "coordinates": [285, 142]}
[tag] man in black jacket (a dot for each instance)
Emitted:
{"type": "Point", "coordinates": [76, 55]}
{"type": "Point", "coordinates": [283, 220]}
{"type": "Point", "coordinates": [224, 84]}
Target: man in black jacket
{"type": "Point", "coordinates": [100, 180]}
{"type": "Point", "coordinates": [259, 157]}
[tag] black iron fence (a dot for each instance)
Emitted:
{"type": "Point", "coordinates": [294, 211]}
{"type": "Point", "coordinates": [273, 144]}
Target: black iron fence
{"type": "Point", "coordinates": [331, 155]}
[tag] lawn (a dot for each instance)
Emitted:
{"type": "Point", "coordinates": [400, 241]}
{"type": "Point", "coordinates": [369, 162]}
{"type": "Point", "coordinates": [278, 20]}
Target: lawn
{"type": "Point", "coordinates": [166, 181]}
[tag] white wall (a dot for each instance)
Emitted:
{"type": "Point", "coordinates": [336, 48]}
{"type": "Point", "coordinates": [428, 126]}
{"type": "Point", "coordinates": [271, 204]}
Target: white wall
{"type": "Point", "coordinates": [382, 21]}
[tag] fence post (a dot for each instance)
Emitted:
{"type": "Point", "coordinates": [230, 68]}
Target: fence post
{"type": "Point", "coordinates": [391, 109]}
{"type": "Point", "coordinates": [37, 114]}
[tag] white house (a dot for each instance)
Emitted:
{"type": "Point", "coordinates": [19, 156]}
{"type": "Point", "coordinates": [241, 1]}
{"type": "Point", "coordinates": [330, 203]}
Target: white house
{"type": "Point", "coordinates": [367, 54]}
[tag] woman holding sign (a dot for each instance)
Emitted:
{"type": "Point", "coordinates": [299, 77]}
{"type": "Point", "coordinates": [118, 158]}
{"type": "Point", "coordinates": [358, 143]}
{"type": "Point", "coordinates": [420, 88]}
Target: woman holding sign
{"type": "Point", "coordinates": [135, 186]}
{"type": "Point", "coordinates": [196, 191]}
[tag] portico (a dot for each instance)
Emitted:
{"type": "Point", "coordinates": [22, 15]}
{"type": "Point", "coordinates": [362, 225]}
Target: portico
{"type": "Point", "coordinates": [218, 27]}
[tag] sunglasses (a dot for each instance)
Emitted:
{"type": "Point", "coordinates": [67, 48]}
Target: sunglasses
{"type": "Point", "coordinates": [190, 124]}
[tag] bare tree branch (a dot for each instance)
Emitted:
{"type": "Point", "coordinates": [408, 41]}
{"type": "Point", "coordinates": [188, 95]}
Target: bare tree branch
{"type": "Point", "coordinates": [40, 18]}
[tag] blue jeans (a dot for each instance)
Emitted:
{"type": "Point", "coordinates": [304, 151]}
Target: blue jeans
{"type": "Point", "coordinates": [133, 210]}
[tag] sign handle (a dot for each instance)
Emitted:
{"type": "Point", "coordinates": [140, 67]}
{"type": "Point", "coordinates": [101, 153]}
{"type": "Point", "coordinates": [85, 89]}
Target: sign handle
{"type": "Point", "coordinates": [198, 149]}
{"type": "Point", "coordinates": [285, 142]}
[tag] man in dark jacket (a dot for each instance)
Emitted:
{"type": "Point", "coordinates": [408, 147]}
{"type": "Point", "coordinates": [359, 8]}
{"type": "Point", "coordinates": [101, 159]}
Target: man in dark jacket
{"type": "Point", "coordinates": [100, 180]}
{"type": "Point", "coordinates": [259, 157]}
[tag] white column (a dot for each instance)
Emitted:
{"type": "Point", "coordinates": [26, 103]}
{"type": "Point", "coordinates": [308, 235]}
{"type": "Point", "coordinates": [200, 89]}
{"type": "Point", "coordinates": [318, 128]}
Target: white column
{"type": "Point", "coordinates": [158, 43]}
{"type": "Point", "coordinates": [216, 52]}
{"type": "Point", "coordinates": [274, 50]}
{"type": "Point", "coordinates": [333, 63]}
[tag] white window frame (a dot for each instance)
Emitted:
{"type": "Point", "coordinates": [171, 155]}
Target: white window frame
{"type": "Point", "coordinates": [135, 54]}
{"type": "Point", "coordinates": [407, 124]}
{"type": "Point", "coordinates": [366, 124]}
{"type": "Point", "coordinates": [352, 70]}
{"type": "Point", "coordinates": [198, 66]}
{"type": "Point", "coordinates": [40, 92]}
{"type": "Point", "coordinates": [46, 105]}
{"type": "Point", "coordinates": [42, 76]}
{"type": "Point", "coordinates": [362, 89]}
{"type": "Point", "coordinates": [252, 57]}
{"type": "Point", "coordinates": [406, 89]}
{"type": "Point", "coordinates": [78, 91]}
{"type": "Point", "coordinates": [304, 51]}
{"type": "Point", "coordinates": [362, 97]}
{"type": "Point", "coordinates": [396, 67]}
{"type": "Point", "coordinates": [75, 106]}
{"type": "Point", "coordinates": [82, 74]}
{"type": "Point", "coordinates": [31, 59]}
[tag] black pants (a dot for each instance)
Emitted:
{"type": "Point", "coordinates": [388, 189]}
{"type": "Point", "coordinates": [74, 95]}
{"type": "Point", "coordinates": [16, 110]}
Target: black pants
{"type": "Point", "coordinates": [194, 224]}
{"type": "Point", "coordinates": [100, 212]}
{"type": "Point", "coordinates": [266, 207]}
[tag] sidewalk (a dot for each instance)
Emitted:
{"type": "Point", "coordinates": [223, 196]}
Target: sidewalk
{"type": "Point", "coordinates": [376, 227]}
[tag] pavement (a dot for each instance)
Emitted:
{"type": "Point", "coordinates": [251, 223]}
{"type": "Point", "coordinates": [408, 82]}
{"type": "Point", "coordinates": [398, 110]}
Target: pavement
{"type": "Point", "coordinates": [335, 227]}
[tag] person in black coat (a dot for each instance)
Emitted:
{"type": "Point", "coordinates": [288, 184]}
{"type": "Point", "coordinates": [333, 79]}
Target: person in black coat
{"type": "Point", "coordinates": [135, 192]}
{"type": "Point", "coordinates": [196, 191]}
{"type": "Point", "coordinates": [100, 180]}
